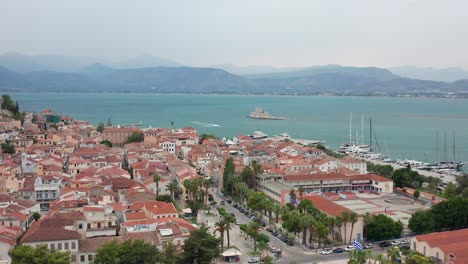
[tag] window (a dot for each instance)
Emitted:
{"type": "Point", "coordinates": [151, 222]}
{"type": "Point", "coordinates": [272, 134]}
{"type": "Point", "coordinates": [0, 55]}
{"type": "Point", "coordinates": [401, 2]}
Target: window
{"type": "Point", "coordinates": [82, 258]}
{"type": "Point", "coordinates": [52, 247]}
{"type": "Point", "coordinates": [73, 258]}
{"type": "Point", "coordinates": [98, 225]}
{"type": "Point", "coordinates": [80, 226]}
{"type": "Point", "coordinates": [109, 224]}
{"type": "Point", "coordinates": [90, 257]}
{"type": "Point", "coordinates": [437, 254]}
{"type": "Point", "coordinates": [89, 225]}
{"type": "Point", "coordinates": [424, 251]}
{"type": "Point", "coordinates": [59, 246]}
{"type": "Point", "coordinates": [73, 245]}
{"type": "Point", "coordinates": [66, 245]}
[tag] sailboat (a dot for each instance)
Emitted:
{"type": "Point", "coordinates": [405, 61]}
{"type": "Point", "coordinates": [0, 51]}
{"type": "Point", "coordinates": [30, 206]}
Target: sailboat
{"type": "Point", "coordinates": [352, 147]}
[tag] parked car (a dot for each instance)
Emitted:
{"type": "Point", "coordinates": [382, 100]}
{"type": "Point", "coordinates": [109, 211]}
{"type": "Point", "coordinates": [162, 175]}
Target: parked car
{"type": "Point", "coordinates": [273, 250]}
{"type": "Point", "coordinates": [289, 242]}
{"type": "Point", "coordinates": [327, 251]}
{"type": "Point", "coordinates": [338, 250]}
{"type": "Point", "coordinates": [238, 222]}
{"type": "Point", "coordinates": [222, 203]}
{"type": "Point", "coordinates": [395, 243]}
{"type": "Point", "coordinates": [274, 232]}
{"type": "Point", "coordinates": [385, 244]}
{"type": "Point", "coordinates": [228, 201]}
{"type": "Point", "coordinates": [254, 260]}
{"type": "Point", "coordinates": [269, 229]}
{"type": "Point", "coordinates": [405, 241]}
{"type": "Point", "coordinates": [368, 246]}
{"type": "Point", "coordinates": [349, 248]}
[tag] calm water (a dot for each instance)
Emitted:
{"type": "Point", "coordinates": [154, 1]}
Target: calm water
{"type": "Point", "coordinates": [397, 122]}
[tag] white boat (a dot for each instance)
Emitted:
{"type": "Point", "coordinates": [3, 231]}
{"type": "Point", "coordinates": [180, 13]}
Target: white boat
{"type": "Point", "coordinates": [283, 136]}
{"type": "Point", "coordinates": [257, 134]}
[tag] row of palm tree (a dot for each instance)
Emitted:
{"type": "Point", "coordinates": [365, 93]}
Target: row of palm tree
{"type": "Point", "coordinates": [172, 187]}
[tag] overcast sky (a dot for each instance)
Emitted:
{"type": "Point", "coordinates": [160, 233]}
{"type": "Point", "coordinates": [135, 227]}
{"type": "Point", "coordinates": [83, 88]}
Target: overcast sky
{"type": "Point", "coordinates": [253, 32]}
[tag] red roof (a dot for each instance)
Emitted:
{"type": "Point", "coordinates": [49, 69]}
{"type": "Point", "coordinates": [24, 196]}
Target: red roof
{"type": "Point", "coordinates": [326, 206]}
{"type": "Point", "coordinates": [450, 242]}
{"type": "Point", "coordinates": [318, 176]}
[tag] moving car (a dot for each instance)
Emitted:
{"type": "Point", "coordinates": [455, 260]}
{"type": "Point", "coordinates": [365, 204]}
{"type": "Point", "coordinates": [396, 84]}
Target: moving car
{"type": "Point", "coordinates": [338, 250]}
{"type": "Point", "coordinates": [327, 251]}
{"type": "Point", "coordinates": [349, 248]}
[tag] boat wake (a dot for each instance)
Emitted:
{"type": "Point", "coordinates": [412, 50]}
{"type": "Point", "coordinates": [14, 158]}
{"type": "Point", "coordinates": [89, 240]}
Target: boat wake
{"type": "Point", "coordinates": [205, 124]}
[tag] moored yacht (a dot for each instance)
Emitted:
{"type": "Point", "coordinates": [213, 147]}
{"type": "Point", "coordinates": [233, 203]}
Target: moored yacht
{"type": "Point", "coordinates": [257, 134]}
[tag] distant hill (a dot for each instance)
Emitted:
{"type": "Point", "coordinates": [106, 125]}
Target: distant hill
{"type": "Point", "coordinates": [317, 80]}
{"type": "Point", "coordinates": [443, 75]}
{"type": "Point", "coordinates": [25, 63]}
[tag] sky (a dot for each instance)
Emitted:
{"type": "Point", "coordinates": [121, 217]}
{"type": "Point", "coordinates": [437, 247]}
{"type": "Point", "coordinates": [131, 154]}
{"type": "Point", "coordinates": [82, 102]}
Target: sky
{"type": "Point", "coordinates": [293, 33]}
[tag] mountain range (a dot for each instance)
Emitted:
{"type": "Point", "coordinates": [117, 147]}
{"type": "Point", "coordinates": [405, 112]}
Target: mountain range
{"type": "Point", "coordinates": [138, 75]}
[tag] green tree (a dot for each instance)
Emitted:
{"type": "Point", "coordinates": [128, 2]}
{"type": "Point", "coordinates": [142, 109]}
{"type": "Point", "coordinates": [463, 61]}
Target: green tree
{"type": "Point", "coordinates": [107, 143]}
{"type": "Point", "coordinates": [228, 219]}
{"type": "Point", "coordinates": [254, 227]}
{"type": "Point", "coordinates": [172, 187]}
{"type": "Point", "coordinates": [229, 171]}
{"type": "Point", "coordinates": [450, 190]}
{"type": "Point", "coordinates": [422, 222]}
{"type": "Point", "coordinates": [164, 198]}
{"type": "Point", "coordinates": [353, 218]}
{"type": "Point", "coordinates": [169, 255]}
{"type": "Point", "coordinates": [157, 179]}
{"type": "Point", "coordinates": [207, 136]}
{"type": "Point", "coordinates": [200, 247]}
{"type": "Point", "coordinates": [451, 214]}
{"type": "Point", "coordinates": [100, 127]}
{"type": "Point", "coordinates": [8, 148]}
{"type": "Point", "coordinates": [36, 216]}
{"type": "Point", "coordinates": [380, 227]}
{"type": "Point", "coordinates": [345, 218]}
{"type": "Point", "coordinates": [130, 251]}
{"type": "Point", "coordinates": [416, 194]}
{"type": "Point", "coordinates": [357, 257]}
{"type": "Point", "coordinates": [221, 227]}
{"type": "Point", "coordinates": [136, 136]}
{"type": "Point", "coordinates": [394, 254]}
{"type": "Point", "coordinates": [418, 259]}
{"type": "Point", "coordinates": [25, 254]}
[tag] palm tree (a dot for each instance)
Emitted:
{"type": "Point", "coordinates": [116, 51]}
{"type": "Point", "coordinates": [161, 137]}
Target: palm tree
{"type": "Point", "coordinates": [339, 223]}
{"type": "Point", "coordinates": [353, 218]}
{"type": "Point", "coordinates": [332, 223]}
{"type": "Point", "coordinates": [255, 229]}
{"type": "Point", "coordinates": [358, 257]}
{"type": "Point", "coordinates": [345, 217]}
{"type": "Point", "coordinates": [228, 219]}
{"type": "Point", "coordinates": [172, 188]}
{"type": "Point", "coordinates": [304, 220]}
{"type": "Point", "coordinates": [380, 258]}
{"type": "Point", "coordinates": [300, 190]}
{"type": "Point", "coordinates": [220, 227]}
{"type": "Point", "coordinates": [312, 226]}
{"type": "Point", "coordinates": [277, 209]}
{"type": "Point", "coordinates": [394, 254]}
{"type": "Point", "coordinates": [157, 179]}
{"type": "Point", "coordinates": [257, 168]}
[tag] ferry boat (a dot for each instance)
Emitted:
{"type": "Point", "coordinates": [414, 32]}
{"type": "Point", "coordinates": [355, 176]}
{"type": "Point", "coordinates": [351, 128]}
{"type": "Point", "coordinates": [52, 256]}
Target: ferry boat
{"type": "Point", "coordinates": [257, 134]}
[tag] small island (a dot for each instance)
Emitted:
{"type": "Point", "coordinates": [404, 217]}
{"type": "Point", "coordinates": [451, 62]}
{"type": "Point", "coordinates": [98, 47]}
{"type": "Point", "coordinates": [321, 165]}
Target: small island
{"type": "Point", "coordinates": [259, 113]}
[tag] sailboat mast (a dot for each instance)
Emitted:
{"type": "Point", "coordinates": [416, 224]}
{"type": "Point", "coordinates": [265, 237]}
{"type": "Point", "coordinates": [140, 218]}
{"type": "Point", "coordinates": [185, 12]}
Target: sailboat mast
{"type": "Point", "coordinates": [362, 128]}
{"type": "Point", "coordinates": [350, 127]}
{"type": "Point", "coordinates": [453, 155]}
{"type": "Point", "coordinates": [445, 146]}
{"type": "Point", "coordinates": [437, 138]}
{"type": "Point", "coordinates": [370, 133]}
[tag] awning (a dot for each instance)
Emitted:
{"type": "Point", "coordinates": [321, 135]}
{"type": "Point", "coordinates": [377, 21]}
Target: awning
{"type": "Point", "coordinates": [231, 253]}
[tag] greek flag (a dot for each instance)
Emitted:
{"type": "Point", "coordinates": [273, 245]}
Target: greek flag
{"type": "Point", "coordinates": [358, 245]}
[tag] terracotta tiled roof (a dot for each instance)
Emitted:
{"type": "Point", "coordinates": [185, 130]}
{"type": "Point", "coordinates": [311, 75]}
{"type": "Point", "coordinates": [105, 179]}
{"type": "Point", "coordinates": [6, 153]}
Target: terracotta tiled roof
{"type": "Point", "coordinates": [370, 176]}
{"type": "Point", "coordinates": [318, 176]}
{"type": "Point", "coordinates": [453, 242]}
{"type": "Point", "coordinates": [326, 206]}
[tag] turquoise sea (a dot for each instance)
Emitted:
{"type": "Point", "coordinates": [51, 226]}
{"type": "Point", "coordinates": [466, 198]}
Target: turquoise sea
{"type": "Point", "coordinates": [408, 126]}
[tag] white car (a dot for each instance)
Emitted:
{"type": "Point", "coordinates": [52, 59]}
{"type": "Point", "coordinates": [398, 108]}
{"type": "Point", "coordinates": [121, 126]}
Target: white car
{"type": "Point", "coordinates": [405, 241]}
{"type": "Point", "coordinates": [349, 248]}
{"type": "Point", "coordinates": [395, 243]}
{"type": "Point", "coordinates": [368, 246]}
{"type": "Point", "coordinates": [254, 260]}
{"type": "Point", "coordinates": [238, 222]}
{"type": "Point", "coordinates": [327, 251]}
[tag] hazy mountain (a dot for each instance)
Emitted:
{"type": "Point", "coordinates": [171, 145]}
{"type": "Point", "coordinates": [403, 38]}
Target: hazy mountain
{"type": "Point", "coordinates": [364, 72]}
{"type": "Point", "coordinates": [330, 79]}
{"type": "Point", "coordinates": [444, 75]}
{"type": "Point", "coordinates": [246, 70]}
{"type": "Point", "coordinates": [145, 61]}
{"type": "Point", "coordinates": [96, 69]}
{"type": "Point", "coordinates": [25, 63]}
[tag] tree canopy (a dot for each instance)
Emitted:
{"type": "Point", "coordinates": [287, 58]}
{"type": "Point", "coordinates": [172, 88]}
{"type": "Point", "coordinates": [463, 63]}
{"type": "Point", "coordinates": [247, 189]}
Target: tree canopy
{"type": "Point", "coordinates": [136, 136]}
{"type": "Point", "coordinates": [128, 252]}
{"type": "Point", "coordinates": [8, 148]}
{"type": "Point", "coordinates": [201, 246]}
{"type": "Point", "coordinates": [100, 127]}
{"type": "Point", "coordinates": [107, 143]}
{"type": "Point", "coordinates": [25, 254]}
{"type": "Point", "coordinates": [380, 227]}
